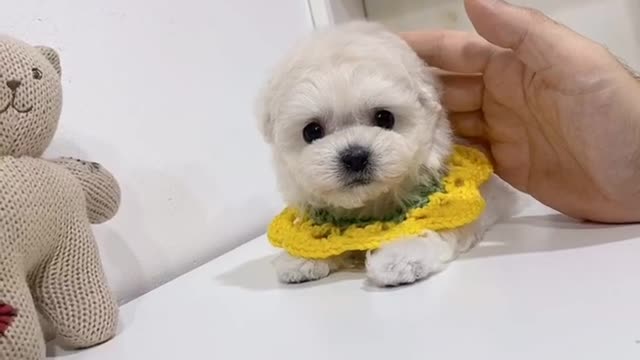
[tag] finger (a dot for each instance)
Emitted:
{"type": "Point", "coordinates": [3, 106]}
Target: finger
{"type": "Point", "coordinates": [537, 40]}
{"type": "Point", "coordinates": [469, 124]}
{"type": "Point", "coordinates": [451, 50]}
{"type": "Point", "coordinates": [462, 93]}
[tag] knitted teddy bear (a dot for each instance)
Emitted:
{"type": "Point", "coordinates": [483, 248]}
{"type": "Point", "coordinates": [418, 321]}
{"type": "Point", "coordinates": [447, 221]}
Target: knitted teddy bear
{"type": "Point", "coordinates": [49, 260]}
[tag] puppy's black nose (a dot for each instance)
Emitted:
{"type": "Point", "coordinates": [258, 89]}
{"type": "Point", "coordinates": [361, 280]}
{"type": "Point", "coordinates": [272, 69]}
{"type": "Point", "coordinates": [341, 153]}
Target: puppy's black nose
{"type": "Point", "coordinates": [13, 84]}
{"type": "Point", "coordinates": [355, 158]}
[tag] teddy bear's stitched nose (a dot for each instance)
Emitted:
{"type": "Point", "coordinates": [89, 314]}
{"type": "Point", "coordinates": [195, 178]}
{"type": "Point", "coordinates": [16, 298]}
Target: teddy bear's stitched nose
{"type": "Point", "coordinates": [13, 84]}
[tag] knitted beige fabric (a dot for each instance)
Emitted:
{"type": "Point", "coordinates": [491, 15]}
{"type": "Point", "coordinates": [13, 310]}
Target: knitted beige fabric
{"type": "Point", "coordinates": [49, 261]}
{"type": "Point", "coordinates": [101, 190]}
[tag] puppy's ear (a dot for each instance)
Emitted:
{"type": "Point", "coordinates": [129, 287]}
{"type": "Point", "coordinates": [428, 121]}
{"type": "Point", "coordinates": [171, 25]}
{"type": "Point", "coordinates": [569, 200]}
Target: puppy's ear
{"type": "Point", "coordinates": [429, 89]}
{"type": "Point", "coordinates": [430, 95]}
{"type": "Point", "coordinates": [263, 111]}
{"type": "Point", "coordinates": [441, 145]}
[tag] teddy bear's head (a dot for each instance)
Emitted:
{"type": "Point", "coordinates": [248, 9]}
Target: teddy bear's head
{"type": "Point", "coordinates": [30, 97]}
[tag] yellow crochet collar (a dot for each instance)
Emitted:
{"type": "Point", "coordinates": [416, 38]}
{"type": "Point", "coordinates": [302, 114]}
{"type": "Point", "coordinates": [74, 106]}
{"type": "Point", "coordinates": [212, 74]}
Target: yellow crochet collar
{"type": "Point", "coordinates": [459, 204]}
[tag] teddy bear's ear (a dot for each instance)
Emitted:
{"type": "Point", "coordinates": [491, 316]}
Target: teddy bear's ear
{"type": "Point", "coordinates": [52, 56]}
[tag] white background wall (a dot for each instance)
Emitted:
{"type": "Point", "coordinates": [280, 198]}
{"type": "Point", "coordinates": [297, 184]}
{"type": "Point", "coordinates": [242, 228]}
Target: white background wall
{"type": "Point", "coordinates": [615, 23]}
{"type": "Point", "coordinates": [161, 92]}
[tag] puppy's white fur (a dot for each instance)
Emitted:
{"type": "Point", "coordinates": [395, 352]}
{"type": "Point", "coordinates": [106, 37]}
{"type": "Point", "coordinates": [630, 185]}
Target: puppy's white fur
{"type": "Point", "coordinates": [339, 77]}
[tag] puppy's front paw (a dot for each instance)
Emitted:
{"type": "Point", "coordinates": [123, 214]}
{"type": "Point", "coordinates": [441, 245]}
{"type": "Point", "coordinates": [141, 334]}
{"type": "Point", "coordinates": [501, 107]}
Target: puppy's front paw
{"type": "Point", "coordinates": [408, 261]}
{"type": "Point", "coordinates": [292, 270]}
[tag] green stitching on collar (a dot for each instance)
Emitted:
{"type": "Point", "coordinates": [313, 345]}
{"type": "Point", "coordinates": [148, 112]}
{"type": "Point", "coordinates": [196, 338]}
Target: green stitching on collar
{"type": "Point", "coordinates": [323, 216]}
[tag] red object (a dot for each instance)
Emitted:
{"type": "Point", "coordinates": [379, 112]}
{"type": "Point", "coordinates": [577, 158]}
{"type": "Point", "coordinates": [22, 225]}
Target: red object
{"type": "Point", "coordinates": [7, 314]}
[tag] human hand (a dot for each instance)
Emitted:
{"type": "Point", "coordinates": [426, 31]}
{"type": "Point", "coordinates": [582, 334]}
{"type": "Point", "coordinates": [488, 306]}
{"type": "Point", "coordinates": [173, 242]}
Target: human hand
{"type": "Point", "coordinates": [557, 112]}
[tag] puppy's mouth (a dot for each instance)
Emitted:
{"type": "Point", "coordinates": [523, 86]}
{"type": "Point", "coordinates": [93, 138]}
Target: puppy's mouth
{"type": "Point", "coordinates": [12, 105]}
{"type": "Point", "coordinates": [351, 180]}
{"type": "Point", "coordinates": [358, 182]}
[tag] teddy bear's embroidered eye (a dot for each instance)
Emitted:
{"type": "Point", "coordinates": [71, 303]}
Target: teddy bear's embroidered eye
{"type": "Point", "coordinates": [37, 73]}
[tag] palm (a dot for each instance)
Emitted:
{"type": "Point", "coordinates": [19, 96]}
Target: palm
{"type": "Point", "coordinates": [558, 112]}
{"type": "Point", "coordinates": [540, 126]}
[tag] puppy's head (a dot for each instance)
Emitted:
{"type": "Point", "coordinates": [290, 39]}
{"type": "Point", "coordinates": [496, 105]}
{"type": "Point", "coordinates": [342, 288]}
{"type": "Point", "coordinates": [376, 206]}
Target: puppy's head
{"type": "Point", "coordinates": [353, 116]}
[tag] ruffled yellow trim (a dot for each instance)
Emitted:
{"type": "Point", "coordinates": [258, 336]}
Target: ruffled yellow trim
{"type": "Point", "coordinates": [459, 204]}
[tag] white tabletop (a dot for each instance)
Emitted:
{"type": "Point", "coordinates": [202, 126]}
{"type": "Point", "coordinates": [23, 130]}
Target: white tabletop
{"type": "Point", "coordinates": [539, 287]}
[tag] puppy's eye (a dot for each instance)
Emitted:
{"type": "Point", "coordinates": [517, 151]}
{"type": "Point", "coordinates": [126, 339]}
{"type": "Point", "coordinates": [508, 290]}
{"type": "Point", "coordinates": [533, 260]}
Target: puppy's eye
{"type": "Point", "coordinates": [37, 73]}
{"type": "Point", "coordinates": [313, 131]}
{"type": "Point", "coordinates": [384, 119]}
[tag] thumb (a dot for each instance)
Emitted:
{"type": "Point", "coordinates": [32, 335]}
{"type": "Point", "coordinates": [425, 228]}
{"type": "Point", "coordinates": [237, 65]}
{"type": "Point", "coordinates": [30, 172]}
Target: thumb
{"type": "Point", "coordinates": [537, 40]}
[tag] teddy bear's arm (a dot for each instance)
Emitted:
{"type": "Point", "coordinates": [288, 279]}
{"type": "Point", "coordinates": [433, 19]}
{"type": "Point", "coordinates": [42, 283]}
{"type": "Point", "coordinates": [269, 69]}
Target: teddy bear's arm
{"type": "Point", "coordinates": [101, 189]}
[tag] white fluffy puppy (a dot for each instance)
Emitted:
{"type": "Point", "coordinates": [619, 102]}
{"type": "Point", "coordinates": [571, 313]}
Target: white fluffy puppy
{"type": "Point", "coordinates": [355, 123]}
